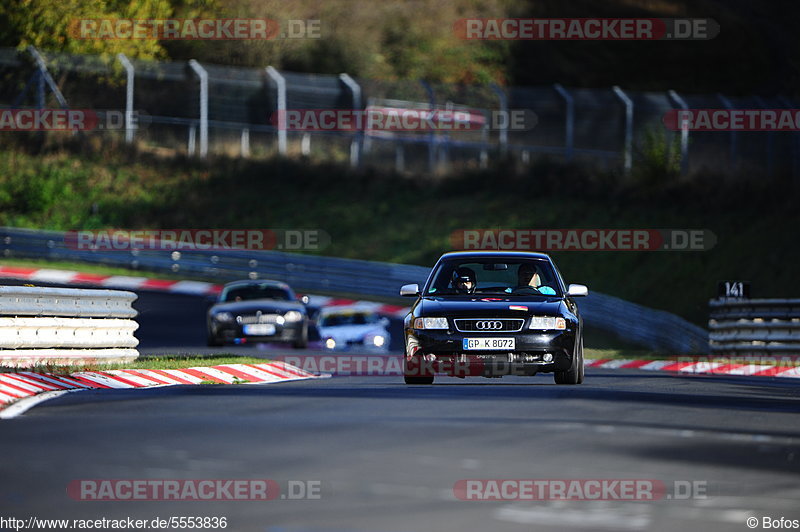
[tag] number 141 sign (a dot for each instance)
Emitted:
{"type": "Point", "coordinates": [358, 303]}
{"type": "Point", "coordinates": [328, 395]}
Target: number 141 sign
{"type": "Point", "coordinates": [735, 289]}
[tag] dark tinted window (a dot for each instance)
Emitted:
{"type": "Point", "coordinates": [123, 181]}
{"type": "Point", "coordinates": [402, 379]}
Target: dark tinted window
{"type": "Point", "coordinates": [255, 291]}
{"type": "Point", "coordinates": [522, 277]}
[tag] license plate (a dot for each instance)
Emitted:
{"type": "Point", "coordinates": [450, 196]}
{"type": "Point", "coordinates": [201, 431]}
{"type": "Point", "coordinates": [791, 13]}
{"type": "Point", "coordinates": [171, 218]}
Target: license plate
{"type": "Point", "coordinates": [493, 344]}
{"type": "Point", "coordinates": [259, 329]}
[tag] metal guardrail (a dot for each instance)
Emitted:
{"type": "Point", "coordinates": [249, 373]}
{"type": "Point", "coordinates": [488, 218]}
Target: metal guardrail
{"type": "Point", "coordinates": [754, 326]}
{"type": "Point", "coordinates": [654, 329]}
{"type": "Point", "coordinates": [66, 302]}
{"type": "Point", "coordinates": [66, 326]}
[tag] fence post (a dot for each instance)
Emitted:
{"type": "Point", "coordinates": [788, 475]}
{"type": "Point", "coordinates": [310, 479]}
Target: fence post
{"type": "Point", "coordinates": [355, 144]}
{"type": "Point", "coordinates": [191, 141]}
{"type": "Point", "coordinates": [130, 73]}
{"type": "Point", "coordinates": [503, 135]}
{"type": "Point", "coordinates": [432, 139]}
{"type": "Point", "coordinates": [45, 77]}
{"type": "Point", "coordinates": [569, 139]}
{"type": "Point", "coordinates": [203, 76]}
{"type": "Point", "coordinates": [245, 142]}
{"type": "Point", "coordinates": [280, 85]}
{"type": "Point", "coordinates": [628, 127]}
{"type": "Point", "coordinates": [684, 132]}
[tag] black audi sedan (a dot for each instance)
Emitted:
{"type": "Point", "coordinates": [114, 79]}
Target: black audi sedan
{"type": "Point", "coordinates": [492, 314]}
{"type": "Point", "coordinates": [258, 311]}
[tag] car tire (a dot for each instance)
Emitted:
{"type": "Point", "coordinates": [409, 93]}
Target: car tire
{"type": "Point", "coordinates": [410, 374]}
{"type": "Point", "coordinates": [302, 343]}
{"type": "Point", "coordinates": [575, 374]}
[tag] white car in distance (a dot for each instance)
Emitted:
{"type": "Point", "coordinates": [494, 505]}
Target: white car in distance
{"type": "Point", "coordinates": [353, 328]}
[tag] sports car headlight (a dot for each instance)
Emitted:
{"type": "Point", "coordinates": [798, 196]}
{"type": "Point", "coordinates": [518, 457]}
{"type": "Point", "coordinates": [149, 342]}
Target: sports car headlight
{"type": "Point", "coordinates": [430, 323]}
{"type": "Point", "coordinates": [543, 323]}
{"type": "Point", "coordinates": [223, 316]}
{"type": "Point", "coordinates": [292, 316]}
{"type": "Point", "coordinates": [377, 340]}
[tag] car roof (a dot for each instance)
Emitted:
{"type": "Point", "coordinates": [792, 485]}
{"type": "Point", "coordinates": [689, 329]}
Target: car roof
{"type": "Point", "coordinates": [493, 254]}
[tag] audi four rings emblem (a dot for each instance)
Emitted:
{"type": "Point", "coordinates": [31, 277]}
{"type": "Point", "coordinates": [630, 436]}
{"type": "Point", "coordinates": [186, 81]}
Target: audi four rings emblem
{"type": "Point", "coordinates": [488, 325]}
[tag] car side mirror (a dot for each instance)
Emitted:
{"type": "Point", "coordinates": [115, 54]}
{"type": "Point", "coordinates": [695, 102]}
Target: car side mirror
{"type": "Point", "coordinates": [384, 321]}
{"type": "Point", "coordinates": [577, 290]}
{"type": "Point", "coordinates": [411, 290]}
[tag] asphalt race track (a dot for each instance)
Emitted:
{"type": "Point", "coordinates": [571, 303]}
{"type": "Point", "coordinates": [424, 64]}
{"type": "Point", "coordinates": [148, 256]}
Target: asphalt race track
{"type": "Point", "coordinates": [387, 456]}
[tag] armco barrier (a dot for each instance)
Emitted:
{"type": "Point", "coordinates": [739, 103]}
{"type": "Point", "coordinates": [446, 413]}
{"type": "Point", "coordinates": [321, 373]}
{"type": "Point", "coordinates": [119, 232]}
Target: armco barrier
{"type": "Point", "coordinates": [657, 330]}
{"type": "Point", "coordinates": [748, 327]}
{"type": "Point", "coordinates": [65, 326]}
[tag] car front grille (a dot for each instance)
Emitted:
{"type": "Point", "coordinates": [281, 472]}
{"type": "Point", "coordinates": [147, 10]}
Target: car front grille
{"type": "Point", "coordinates": [489, 325]}
{"type": "Point", "coordinates": [257, 318]}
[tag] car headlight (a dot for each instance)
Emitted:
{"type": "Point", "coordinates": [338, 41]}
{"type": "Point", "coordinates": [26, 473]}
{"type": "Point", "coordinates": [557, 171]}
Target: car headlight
{"type": "Point", "coordinates": [292, 316]}
{"type": "Point", "coordinates": [548, 323]}
{"type": "Point", "coordinates": [378, 341]}
{"type": "Point", "coordinates": [430, 323]}
{"type": "Point", "coordinates": [223, 316]}
{"type": "Point", "coordinates": [330, 343]}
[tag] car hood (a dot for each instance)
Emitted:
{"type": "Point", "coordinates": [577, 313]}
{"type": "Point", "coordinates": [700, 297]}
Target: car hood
{"type": "Point", "coordinates": [491, 305]}
{"type": "Point", "coordinates": [254, 305]}
{"type": "Point", "coordinates": [342, 333]}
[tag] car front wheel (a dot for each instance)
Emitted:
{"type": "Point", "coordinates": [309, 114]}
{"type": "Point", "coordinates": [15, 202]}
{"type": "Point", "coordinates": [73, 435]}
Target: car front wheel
{"type": "Point", "coordinates": [575, 374]}
{"type": "Point", "coordinates": [302, 342]}
{"type": "Point", "coordinates": [412, 372]}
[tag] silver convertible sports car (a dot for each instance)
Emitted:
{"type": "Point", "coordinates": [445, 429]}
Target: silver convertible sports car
{"type": "Point", "coordinates": [258, 311]}
{"type": "Point", "coordinates": [492, 314]}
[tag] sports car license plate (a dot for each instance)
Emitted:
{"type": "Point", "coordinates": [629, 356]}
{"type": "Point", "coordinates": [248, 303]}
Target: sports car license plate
{"type": "Point", "coordinates": [259, 329]}
{"type": "Point", "coordinates": [493, 344]}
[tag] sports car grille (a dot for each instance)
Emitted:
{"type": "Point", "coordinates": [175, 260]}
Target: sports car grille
{"type": "Point", "coordinates": [489, 325]}
{"type": "Point", "coordinates": [257, 318]}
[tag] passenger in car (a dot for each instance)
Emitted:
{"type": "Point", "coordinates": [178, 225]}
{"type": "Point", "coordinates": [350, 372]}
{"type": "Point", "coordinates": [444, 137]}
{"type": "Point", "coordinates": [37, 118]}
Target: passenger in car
{"type": "Point", "coordinates": [528, 277]}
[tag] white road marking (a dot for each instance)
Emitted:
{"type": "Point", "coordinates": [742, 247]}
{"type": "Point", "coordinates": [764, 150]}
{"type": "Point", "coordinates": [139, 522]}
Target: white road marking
{"type": "Point", "coordinates": [23, 405]}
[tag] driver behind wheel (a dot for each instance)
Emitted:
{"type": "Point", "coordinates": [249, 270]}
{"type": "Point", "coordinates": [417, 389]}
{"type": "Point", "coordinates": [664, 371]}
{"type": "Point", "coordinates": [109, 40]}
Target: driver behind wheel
{"type": "Point", "coordinates": [464, 280]}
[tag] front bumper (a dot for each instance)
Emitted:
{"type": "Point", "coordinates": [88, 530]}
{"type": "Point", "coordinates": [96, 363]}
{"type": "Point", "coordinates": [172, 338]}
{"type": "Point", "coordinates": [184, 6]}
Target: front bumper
{"type": "Point", "coordinates": [233, 332]}
{"type": "Point", "coordinates": [534, 352]}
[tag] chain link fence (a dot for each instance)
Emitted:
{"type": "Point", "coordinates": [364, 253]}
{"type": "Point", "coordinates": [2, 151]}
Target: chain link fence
{"type": "Point", "coordinates": [201, 109]}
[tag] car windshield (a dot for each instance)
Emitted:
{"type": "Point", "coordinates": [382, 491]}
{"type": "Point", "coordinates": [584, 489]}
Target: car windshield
{"type": "Point", "coordinates": [254, 291]}
{"type": "Point", "coordinates": [350, 318]}
{"type": "Point", "coordinates": [495, 276]}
